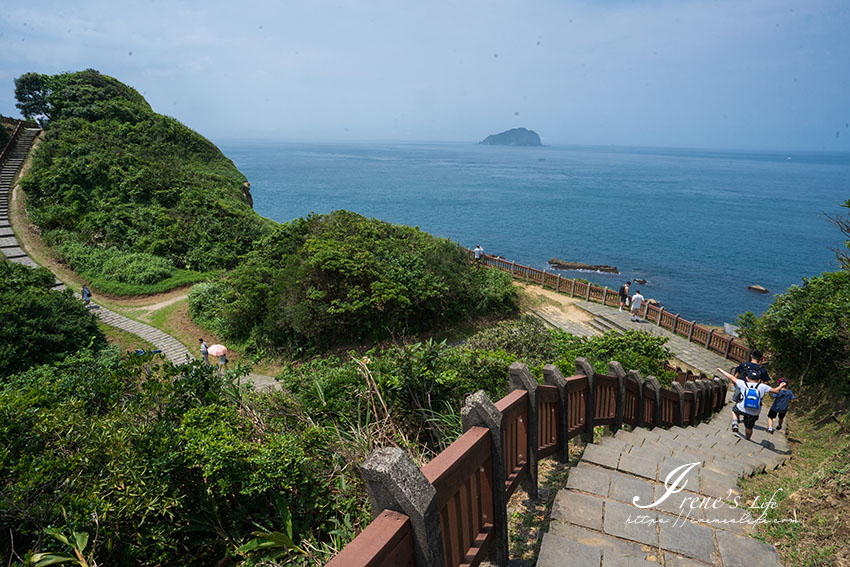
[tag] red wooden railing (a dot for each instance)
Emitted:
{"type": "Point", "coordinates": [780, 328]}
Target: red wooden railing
{"type": "Point", "coordinates": [514, 410]}
{"type": "Point", "coordinates": [463, 475]}
{"type": "Point", "coordinates": [729, 347]}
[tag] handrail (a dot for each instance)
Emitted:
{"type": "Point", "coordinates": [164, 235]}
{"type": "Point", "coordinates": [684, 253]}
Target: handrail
{"type": "Point", "coordinates": [4, 155]}
{"type": "Point", "coordinates": [468, 507]}
{"type": "Point", "coordinates": [730, 348]}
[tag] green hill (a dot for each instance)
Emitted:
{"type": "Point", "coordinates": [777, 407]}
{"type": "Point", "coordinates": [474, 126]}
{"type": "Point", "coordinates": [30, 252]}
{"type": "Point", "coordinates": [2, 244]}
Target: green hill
{"type": "Point", "coordinates": [133, 200]}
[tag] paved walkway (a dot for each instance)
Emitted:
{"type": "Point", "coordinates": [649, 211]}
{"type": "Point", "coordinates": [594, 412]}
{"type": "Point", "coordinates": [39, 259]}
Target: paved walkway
{"type": "Point", "coordinates": [175, 351]}
{"type": "Point", "coordinates": [690, 353]}
{"type": "Point", "coordinates": [595, 521]}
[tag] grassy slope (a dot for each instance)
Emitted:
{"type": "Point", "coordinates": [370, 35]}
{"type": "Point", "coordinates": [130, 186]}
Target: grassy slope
{"type": "Point", "coordinates": [813, 487]}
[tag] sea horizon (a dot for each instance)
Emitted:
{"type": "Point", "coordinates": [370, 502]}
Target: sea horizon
{"type": "Point", "coordinates": [700, 225]}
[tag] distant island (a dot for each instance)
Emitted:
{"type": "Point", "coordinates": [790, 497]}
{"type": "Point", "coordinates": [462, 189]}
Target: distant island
{"type": "Point", "coordinates": [513, 137]}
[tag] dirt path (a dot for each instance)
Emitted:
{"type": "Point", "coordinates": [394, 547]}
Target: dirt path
{"type": "Point", "coordinates": [548, 301]}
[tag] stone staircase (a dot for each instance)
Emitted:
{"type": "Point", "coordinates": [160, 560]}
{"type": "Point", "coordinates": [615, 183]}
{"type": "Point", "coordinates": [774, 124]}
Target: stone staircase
{"type": "Point", "coordinates": [596, 520]}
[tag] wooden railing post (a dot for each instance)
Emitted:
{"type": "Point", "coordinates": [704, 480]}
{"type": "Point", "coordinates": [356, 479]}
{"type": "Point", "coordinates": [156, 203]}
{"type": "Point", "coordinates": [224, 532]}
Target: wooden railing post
{"type": "Point", "coordinates": [522, 379]}
{"type": "Point", "coordinates": [480, 411]}
{"type": "Point", "coordinates": [635, 375]}
{"type": "Point", "coordinates": [652, 389]}
{"type": "Point", "coordinates": [553, 377]}
{"type": "Point", "coordinates": [692, 416]}
{"type": "Point", "coordinates": [616, 369]}
{"type": "Point", "coordinates": [394, 482]}
{"type": "Point", "coordinates": [583, 366]}
{"type": "Point", "coordinates": [679, 417]}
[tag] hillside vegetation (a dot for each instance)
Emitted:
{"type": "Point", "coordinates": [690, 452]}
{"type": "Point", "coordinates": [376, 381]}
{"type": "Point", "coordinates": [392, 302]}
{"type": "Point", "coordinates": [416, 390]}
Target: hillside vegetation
{"type": "Point", "coordinates": [133, 200]}
{"type": "Point", "coordinates": [341, 278]}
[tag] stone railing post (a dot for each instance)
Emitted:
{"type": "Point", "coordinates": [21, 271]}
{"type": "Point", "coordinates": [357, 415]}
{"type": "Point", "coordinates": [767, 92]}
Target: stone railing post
{"type": "Point", "coordinates": [692, 416]}
{"type": "Point", "coordinates": [558, 289]}
{"type": "Point", "coordinates": [677, 389]}
{"type": "Point", "coordinates": [724, 386]}
{"type": "Point", "coordinates": [522, 379]}
{"type": "Point", "coordinates": [395, 483]}
{"type": "Point", "coordinates": [604, 295]}
{"type": "Point", "coordinates": [616, 369]}
{"type": "Point", "coordinates": [587, 295]}
{"type": "Point", "coordinates": [708, 395]}
{"type": "Point", "coordinates": [480, 411]}
{"type": "Point", "coordinates": [652, 389]}
{"type": "Point", "coordinates": [708, 339]}
{"type": "Point", "coordinates": [583, 366]}
{"type": "Point", "coordinates": [635, 375]}
{"type": "Point", "coordinates": [572, 287]}
{"type": "Point", "coordinates": [691, 331]}
{"type": "Point", "coordinates": [660, 313]}
{"type": "Point", "coordinates": [675, 323]}
{"type": "Point", "coordinates": [553, 377]}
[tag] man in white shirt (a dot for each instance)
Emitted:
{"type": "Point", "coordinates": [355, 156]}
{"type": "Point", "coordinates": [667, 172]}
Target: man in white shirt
{"type": "Point", "coordinates": [478, 251]}
{"type": "Point", "coordinates": [637, 301]}
{"type": "Point", "coordinates": [750, 405]}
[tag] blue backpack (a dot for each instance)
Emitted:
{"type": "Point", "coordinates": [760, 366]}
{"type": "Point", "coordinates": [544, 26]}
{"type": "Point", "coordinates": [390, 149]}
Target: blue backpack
{"type": "Point", "coordinates": [752, 400]}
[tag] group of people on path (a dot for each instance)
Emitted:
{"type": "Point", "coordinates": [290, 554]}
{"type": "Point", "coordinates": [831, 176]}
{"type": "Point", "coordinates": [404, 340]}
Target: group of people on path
{"type": "Point", "coordinates": [634, 301]}
{"type": "Point", "coordinates": [205, 353]}
{"type": "Point", "coordinates": [752, 383]}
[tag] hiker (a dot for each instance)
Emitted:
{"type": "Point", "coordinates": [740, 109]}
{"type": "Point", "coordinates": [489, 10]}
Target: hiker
{"type": "Point", "coordinates": [624, 295]}
{"type": "Point", "coordinates": [751, 371]}
{"type": "Point", "coordinates": [205, 351]}
{"type": "Point", "coordinates": [637, 301]}
{"type": "Point", "coordinates": [478, 252]}
{"type": "Point", "coordinates": [750, 405]}
{"type": "Point", "coordinates": [86, 295]}
{"type": "Point", "coordinates": [781, 401]}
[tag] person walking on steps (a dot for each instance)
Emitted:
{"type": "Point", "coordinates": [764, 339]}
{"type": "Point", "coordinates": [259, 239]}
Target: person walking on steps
{"type": "Point", "coordinates": [751, 371]}
{"type": "Point", "coordinates": [637, 301]}
{"type": "Point", "coordinates": [750, 405]}
{"type": "Point", "coordinates": [624, 295]}
{"type": "Point", "coordinates": [781, 401]}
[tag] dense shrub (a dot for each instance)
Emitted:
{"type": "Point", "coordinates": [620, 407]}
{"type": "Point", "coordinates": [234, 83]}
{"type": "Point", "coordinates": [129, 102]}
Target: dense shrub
{"type": "Point", "coordinates": [807, 331]}
{"type": "Point", "coordinates": [341, 278]}
{"type": "Point", "coordinates": [526, 338]}
{"type": "Point", "coordinates": [39, 325]}
{"type": "Point", "coordinates": [635, 350]}
{"type": "Point", "coordinates": [167, 464]}
{"type": "Point", "coordinates": [116, 175]}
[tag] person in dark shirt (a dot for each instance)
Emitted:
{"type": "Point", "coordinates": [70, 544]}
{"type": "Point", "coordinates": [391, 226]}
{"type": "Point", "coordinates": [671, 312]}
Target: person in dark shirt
{"type": "Point", "coordinates": [781, 401]}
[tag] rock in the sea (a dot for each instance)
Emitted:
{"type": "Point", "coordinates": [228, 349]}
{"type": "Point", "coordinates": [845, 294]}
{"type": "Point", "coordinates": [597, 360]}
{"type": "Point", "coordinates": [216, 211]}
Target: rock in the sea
{"type": "Point", "coordinates": [652, 301]}
{"type": "Point", "coordinates": [514, 137]}
{"type": "Point", "coordinates": [758, 288]}
{"type": "Point", "coordinates": [562, 265]}
{"type": "Point", "coordinates": [640, 281]}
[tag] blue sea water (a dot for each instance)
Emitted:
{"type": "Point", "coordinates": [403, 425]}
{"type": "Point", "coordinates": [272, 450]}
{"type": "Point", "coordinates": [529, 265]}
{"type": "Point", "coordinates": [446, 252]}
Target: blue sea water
{"type": "Point", "coordinates": [699, 226]}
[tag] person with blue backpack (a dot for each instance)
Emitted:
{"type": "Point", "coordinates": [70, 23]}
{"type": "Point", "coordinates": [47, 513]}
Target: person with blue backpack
{"type": "Point", "coordinates": [750, 381]}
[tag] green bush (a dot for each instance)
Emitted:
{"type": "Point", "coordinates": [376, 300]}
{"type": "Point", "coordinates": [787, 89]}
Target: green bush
{"type": "Point", "coordinates": [635, 350]}
{"type": "Point", "coordinates": [527, 339]}
{"type": "Point", "coordinates": [118, 176]}
{"type": "Point", "coordinates": [807, 331]}
{"type": "Point", "coordinates": [340, 278]}
{"type": "Point", "coordinates": [40, 325]}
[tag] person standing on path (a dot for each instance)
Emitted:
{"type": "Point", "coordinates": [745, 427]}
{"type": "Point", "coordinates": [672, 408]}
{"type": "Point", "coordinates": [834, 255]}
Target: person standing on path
{"type": "Point", "coordinates": [478, 252]}
{"type": "Point", "coordinates": [86, 293]}
{"type": "Point", "coordinates": [637, 301]}
{"type": "Point", "coordinates": [205, 351]}
{"type": "Point", "coordinates": [750, 406]}
{"type": "Point", "coordinates": [751, 371]}
{"type": "Point", "coordinates": [624, 295]}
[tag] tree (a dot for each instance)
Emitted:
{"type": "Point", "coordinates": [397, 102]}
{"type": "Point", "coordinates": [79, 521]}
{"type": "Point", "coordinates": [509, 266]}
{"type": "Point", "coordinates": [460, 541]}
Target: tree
{"type": "Point", "coordinates": [843, 224]}
{"type": "Point", "coordinates": [39, 325]}
{"type": "Point", "coordinates": [31, 91]}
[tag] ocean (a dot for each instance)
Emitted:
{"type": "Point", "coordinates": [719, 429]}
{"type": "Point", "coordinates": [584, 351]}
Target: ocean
{"type": "Point", "coordinates": [700, 226]}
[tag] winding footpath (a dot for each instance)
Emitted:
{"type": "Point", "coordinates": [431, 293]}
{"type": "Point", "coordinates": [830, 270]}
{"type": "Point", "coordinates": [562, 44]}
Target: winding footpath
{"type": "Point", "coordinates": [173, 350]}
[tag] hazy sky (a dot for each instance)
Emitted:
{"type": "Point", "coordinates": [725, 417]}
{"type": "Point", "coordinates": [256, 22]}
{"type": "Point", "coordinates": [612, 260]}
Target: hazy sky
{"type": "Point", "coordinates": [722, 74]}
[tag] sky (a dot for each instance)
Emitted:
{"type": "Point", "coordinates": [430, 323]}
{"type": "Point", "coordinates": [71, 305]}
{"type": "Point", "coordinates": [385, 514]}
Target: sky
{"type": "Point", "coordinates": [761, 74]}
